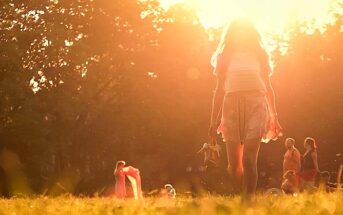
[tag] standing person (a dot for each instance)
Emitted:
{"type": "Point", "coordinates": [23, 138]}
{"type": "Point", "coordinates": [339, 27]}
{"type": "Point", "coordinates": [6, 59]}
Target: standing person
{"type": "Point", "coordinates": [309, 165]}
{"type": "Point", "coordinates": [121, 172]}
{"type": "Point", "coordinates": [292, 159]}
{"type": "Point", "coordinates": [243, 100]}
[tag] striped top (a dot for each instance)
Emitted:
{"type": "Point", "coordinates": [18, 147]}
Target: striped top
{"type": "Point", "coordinates": [244, 74]}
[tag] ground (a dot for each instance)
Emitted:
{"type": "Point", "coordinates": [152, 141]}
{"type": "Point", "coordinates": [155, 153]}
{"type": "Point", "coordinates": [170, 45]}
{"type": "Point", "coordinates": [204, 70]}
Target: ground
{"type": "Point", "coordinates": [319, 203]}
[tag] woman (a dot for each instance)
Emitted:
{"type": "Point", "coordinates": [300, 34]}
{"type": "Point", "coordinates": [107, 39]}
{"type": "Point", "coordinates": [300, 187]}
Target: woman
{"type": "Point", "coordinates": [133, 175]}
{"type": "Point", "coordinates": [243, 100]}
{"type": "Point", "coordinates": [292, 160]}
{"type": "Point", "coordinates": [309, 165]}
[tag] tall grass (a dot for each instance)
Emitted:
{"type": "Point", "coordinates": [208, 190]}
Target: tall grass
{"type": "Point", "coordinates": [304, 204]}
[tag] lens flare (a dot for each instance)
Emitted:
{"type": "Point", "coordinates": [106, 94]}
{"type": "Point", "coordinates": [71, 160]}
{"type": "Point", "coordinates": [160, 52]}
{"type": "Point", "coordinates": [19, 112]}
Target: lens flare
{"type": "Point", "coordinates": [271, 17]}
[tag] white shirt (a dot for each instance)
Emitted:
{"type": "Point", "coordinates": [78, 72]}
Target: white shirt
{"type": "Point", "coordinates": [244, 73]}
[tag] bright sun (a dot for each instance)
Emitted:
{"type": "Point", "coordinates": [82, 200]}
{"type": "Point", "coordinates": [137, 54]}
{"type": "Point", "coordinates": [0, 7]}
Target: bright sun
{"type": "Point", "coordinates": [272, 16]}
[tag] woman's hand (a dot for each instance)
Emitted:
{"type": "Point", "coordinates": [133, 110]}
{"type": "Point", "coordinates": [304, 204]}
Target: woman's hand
{"type": "Point", "coordinates": [212, 131]}
{"type": "Point", "coordinates": [278, 128]}
{"type": "Point", "coordinates": [275, 126]}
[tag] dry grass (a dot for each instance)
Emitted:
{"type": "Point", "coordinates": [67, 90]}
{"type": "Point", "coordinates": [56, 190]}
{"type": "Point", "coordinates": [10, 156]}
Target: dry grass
{"type": "Point", "coordinates": [319, 203]}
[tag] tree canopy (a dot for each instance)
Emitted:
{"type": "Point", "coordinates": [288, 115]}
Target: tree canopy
{"type": "Point", "coordinates": [86, 83]}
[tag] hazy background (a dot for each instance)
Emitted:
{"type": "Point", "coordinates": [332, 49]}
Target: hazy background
{"type": "Point", "coordinates": [86, 83]}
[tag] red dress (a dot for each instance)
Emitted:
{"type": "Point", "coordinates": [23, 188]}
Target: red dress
{"type": "Point", "coordinates": [292, 161]}
{"type": "Point", "coordinates": [120, 186]}
{"type": "Point", "coordinates": [135, 182]}
{"type": "Point", "coordinates": [308, 171]}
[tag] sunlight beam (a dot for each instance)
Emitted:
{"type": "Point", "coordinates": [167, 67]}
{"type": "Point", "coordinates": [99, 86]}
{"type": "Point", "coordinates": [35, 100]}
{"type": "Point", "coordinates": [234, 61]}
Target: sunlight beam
{"type": "Point", "coordinates": [269, 15]}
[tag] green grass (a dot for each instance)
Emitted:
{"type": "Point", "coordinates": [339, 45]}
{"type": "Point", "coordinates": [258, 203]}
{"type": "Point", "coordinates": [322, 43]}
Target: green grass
{"type": "Point", "coordinates": [319, 203]}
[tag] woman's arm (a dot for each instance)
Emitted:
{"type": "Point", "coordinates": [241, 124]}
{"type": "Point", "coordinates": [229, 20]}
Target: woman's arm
{"type": "Point", "coordinates": [315, 160]}
{"type": "Point", "coordinates": [298, 160]}
{"type": "Point", "coordinates": [266, 71]}
{"type": "Point", "coordinates": [217, 103]}
{"type": "Point", "coordinates": [270, 98]}
{"type": "Point", "coordinates": [270, 95]}
{"type": "Point", "coordinates": [203, 148]}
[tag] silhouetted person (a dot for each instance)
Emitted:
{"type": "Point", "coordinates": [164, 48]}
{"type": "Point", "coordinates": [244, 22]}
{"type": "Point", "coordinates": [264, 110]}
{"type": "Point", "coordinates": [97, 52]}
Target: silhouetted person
{"type": "Point", "coordinates": [243, 101]}
{"type": "Point", "coordinates": [309, 165]}
{"type": "Point", "coordinates": [292, 159]}
{"type": "Point", "coordinates": [121, 172]}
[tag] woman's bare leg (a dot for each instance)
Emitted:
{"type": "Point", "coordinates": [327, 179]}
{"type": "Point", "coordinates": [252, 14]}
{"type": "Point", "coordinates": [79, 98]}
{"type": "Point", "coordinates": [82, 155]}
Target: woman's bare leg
{"type": "Point", "coordinates": [250, 154]}
{"type": "Point", "coordinates": [235, 166]}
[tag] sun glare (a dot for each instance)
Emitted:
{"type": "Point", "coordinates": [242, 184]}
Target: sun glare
{"type": "Point", "coordinates": [269, 15]}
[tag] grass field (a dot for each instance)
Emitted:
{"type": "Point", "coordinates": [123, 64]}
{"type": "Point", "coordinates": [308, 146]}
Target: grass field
{"type": "Point", "coordinates": [319, 203]}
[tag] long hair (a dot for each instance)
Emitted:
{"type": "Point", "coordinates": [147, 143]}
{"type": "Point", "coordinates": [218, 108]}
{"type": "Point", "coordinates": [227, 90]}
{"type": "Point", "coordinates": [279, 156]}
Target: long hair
{"type": "Point", "coordinates": [119, 163]}
{"type": "Point", "coordinates": [311, 142]}
{"type": "Point", "coordinates": [240, 33]}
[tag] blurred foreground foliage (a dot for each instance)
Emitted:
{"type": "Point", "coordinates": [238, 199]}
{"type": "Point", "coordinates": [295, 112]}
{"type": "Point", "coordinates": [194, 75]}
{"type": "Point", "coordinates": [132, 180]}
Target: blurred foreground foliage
{"type": "Point", "coordinates": [320, 203]}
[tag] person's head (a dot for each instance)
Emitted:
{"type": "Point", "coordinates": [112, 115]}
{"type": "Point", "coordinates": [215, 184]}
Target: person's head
{"type": "Point", "coordinates": [289, 143]}
{"type": "Point", "coordinates": [168, 186]}
{"type": "Point", "coordinates": [240, 35]}
{"type": "Point", "coordinates": [120, 165]}
{"type": "Point", "coordinates": [310, 143]}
